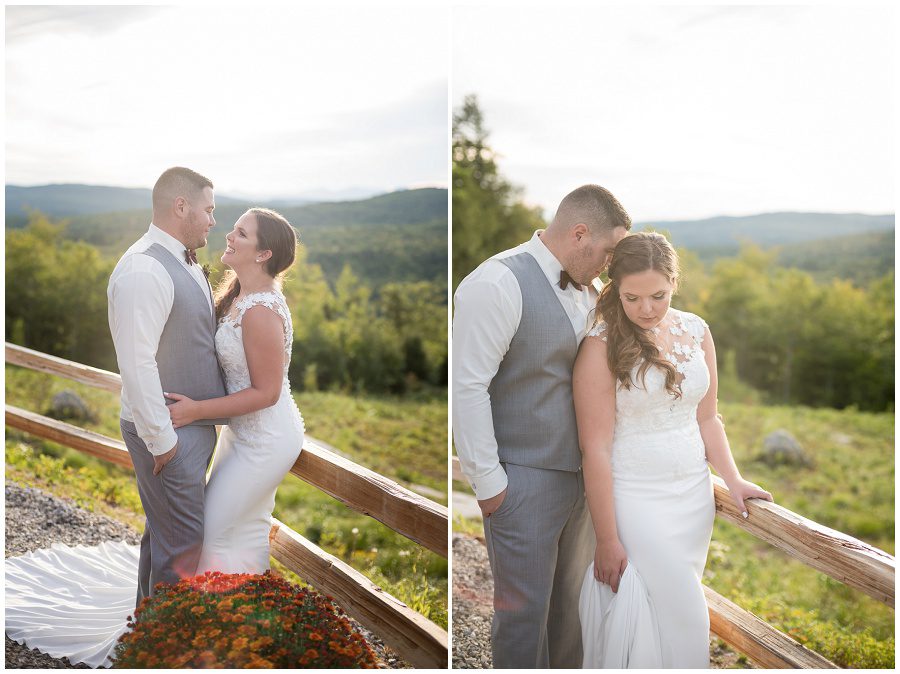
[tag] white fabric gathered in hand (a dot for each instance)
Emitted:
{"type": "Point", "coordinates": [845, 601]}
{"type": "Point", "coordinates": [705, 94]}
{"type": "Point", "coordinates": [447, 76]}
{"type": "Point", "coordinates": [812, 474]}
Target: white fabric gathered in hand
{"type": "Point", "coordinates": [618, 630]}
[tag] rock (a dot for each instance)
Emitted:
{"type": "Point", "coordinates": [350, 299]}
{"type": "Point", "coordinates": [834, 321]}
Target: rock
{"type": "Point", "coordinates": [69, 405]}
{"type": "Point", "coordinates": [780, 447]}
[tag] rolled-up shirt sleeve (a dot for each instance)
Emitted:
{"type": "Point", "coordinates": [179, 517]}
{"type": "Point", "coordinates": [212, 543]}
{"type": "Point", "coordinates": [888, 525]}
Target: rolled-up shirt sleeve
{"type": "Point", "coordinates": [485, 319]}
{"type": "Point", "coordinates": [141, 301]}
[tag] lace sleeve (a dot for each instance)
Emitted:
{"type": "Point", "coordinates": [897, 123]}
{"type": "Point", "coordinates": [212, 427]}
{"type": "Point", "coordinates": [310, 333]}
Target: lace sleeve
{"type": "Point", "coordinates": [697, 326]}
{"type": "Point", "coordinates": [273, 301]}
{"type": "Point", "coordinates": [598, 330]}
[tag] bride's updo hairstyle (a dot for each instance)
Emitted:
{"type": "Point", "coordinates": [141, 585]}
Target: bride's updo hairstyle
{"type": "Point", "coordinates": [628, 344]}
{"type": "Point", "coordinates": [273, 232]}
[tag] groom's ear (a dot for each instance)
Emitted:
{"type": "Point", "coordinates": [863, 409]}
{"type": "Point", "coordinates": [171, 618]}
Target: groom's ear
{"type": "Point", "coordinates": [580, 231]}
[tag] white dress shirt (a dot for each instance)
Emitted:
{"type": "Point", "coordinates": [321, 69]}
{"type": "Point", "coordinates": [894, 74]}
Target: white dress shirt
{"type": "Point", "coordinates": [488, 308]}
{"type": "Point", "coordinates": [140, 296]}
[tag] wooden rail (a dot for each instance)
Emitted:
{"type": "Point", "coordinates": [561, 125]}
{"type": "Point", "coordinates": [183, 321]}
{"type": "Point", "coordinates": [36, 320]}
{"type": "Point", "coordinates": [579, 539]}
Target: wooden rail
{"type": "Point", "coordinates": [414, 516]}
{"type": "Point", "coordinates": [834, 553]}
{"type": "Point", "coordinates": [42, 362]}
{"type": "Point", "coordinates": [414, 637]}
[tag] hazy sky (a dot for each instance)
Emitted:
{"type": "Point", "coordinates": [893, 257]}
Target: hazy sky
{"type": "Point", "coordinates": [265, 101]}
{"type": "Point", "coordinates": [687, 112]}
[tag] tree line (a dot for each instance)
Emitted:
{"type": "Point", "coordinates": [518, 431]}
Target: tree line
{"type": "Point", "coordinates": [345, 338]}
{"type": "Point", "coordinates": [800, 339]}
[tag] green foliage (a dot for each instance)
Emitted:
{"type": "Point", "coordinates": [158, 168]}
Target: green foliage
{"type": "Point", "coordinates": [798, 340]}
{"type": "Point", "coordinates": [488, 215]}
{"type": "Point", "coordinates": [56, 293]}
{"type": "Point", "coordinates": [346, 338]}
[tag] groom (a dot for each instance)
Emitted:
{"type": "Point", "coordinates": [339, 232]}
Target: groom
{"type": "Point", "coordinates": [162, 321]}
{"type": "Point", "coordinates": [518, 321]}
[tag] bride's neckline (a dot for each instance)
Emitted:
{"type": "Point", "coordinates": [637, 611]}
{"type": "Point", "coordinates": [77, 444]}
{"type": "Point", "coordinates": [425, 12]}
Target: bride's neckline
{"type": "Point", "coordinates": [669, 320]}
{"type": "Point", "coordinates": [268, 291]}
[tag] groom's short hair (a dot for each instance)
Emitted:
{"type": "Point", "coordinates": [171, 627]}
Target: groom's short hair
{"type": "Point", "coordinates": [177, 182]}
{"type": "Point", "coordinates": [595, 206]}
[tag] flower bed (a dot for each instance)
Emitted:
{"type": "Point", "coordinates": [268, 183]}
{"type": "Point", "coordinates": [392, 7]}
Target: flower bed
{"type": "Point", "coordinates": [240, 621]}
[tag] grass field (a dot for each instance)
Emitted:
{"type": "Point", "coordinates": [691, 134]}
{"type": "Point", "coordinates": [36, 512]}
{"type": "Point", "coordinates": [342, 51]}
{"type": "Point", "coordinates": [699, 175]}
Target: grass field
{"type": "Point", "coordinates": [849, 487]}
{"type": "Point", "coordinates": [403, 439]}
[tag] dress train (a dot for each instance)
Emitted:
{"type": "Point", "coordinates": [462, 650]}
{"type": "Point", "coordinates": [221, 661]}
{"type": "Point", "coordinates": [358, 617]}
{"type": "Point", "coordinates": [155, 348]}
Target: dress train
{"type": "Point", "coordinates": [47, 587]}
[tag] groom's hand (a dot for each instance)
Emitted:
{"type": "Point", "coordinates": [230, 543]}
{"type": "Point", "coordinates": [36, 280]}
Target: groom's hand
{"type": "Point", "coordinates": [489, 505]}
{"type": "Point", "coordinates": [162, 459]}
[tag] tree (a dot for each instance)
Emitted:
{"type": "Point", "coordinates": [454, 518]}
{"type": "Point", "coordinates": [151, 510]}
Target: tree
{"type": "Point", "coordinates": [56, 294]}
{"type": "Point", "coordinates": [488, 215]}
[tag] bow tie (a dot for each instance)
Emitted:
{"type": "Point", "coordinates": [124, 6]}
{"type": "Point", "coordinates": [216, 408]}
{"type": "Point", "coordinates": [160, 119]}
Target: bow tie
{"type": "Point", "coordinates": [565, 280]}
{"type": "Point", "coordinates": [190, 256]}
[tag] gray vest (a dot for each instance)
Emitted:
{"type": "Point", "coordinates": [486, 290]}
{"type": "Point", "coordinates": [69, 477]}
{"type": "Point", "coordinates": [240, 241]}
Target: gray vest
{"type": "Point", "coordinates": [186, 357]}
{"type": "Point", "coordinates": [531, 394]}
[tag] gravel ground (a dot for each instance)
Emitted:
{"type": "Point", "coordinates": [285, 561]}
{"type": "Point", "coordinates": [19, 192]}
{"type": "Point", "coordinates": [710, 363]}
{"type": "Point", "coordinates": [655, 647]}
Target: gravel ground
{"type": "Point", "coordinates": [35, 519]}
{"type": "Point", "coordinates": [473, 591]}
{"type": "Point", "coordinates": [473, 598]}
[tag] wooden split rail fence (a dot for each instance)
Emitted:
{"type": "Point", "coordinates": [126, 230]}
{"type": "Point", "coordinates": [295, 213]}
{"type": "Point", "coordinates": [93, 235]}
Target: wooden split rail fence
{"type": "Point", "coordinates": [842, 557]}
{"type": "Point", "coordinates": [414, 637]}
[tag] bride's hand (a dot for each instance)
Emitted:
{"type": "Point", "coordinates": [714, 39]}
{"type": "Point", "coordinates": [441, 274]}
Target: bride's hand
{"type": "Point", "coordinates": [742, 490]}
{"type": "Point", "coordinates": [183, 411]}
{"type": "Point", "coordinates": [610, 561]}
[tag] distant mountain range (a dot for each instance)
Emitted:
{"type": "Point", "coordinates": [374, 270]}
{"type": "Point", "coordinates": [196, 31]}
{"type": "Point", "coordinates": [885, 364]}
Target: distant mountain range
{"type": "Point", "coordinates": [66, 200]}
{"type": "Point", "coordinates": [724, 234]}
{"type": "Point", "coordinates": [72, 201]}
{"type": "Point", "coordinates": [400, 236]}
{"type": "Point", "coordinates": [403, 235]}
{"type": "Point", "coordinates": [851, 246]}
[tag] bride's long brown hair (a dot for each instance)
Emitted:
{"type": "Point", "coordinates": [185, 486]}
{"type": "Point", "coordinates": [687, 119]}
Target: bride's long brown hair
{"type": "Point", "coordinates": [627, 344]}
{"type": "Point", "coordinates": [273, 232]}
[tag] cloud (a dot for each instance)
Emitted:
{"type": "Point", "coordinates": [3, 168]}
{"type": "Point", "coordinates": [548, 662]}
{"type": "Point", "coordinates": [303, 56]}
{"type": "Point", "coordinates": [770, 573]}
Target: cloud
{"type": "Point", "coordinates": [24, 22]}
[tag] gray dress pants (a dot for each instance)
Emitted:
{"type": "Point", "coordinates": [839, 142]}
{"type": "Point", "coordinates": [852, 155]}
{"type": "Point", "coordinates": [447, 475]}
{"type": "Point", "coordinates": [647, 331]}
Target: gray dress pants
{"type": "Point", "coordinates": [173, 505]}
{"type": "Point", "coordinates": [540, 542]}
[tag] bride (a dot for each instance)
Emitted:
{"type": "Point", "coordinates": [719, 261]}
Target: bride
{"type": "Point", "coordinates": [265, 434]}
{"type": "Point", "coordinates": [74, 602]}
{"type": "Point", "coordinates": [645, 400]}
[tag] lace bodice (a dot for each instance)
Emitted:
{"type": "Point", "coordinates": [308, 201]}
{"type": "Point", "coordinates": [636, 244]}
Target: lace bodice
{"type": "Point", "coordinates": [230, 349]}
{"type": "Point", "coordinates": [657, 433]}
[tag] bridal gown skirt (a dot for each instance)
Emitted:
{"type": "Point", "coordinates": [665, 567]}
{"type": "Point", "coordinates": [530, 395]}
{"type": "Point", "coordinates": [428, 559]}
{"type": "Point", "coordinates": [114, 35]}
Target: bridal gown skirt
{"type": "Point", "coordinates": [254, 454]}
{"type": "Point", "coordinates": [72, 602]}
{"type": "Point", "coordinates": [659, 617]}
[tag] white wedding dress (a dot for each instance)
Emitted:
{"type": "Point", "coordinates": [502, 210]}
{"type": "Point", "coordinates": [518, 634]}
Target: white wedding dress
{"type": "Point", "coordinates": [74, 601]}
{"type": "Point", "coordinates": [664, 510]}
